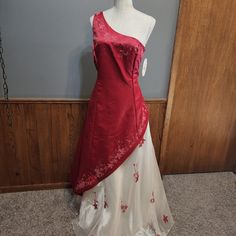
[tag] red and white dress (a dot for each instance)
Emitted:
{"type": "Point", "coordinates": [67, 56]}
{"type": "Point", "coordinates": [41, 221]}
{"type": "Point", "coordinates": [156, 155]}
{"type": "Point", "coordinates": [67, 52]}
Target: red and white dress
{"type": "Point", "coordinates": [115, 174]}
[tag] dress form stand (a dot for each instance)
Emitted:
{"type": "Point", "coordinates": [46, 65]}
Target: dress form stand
{"type": "Point", "coordinates": [125, 19]}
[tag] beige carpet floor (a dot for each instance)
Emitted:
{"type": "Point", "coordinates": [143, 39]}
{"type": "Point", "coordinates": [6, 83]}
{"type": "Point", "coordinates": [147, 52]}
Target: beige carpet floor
{"type": "Point", "coordinates": [202, 204]}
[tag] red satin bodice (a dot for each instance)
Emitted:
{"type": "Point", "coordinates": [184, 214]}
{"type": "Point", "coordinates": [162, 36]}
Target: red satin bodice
{"type": "Point", "coordinates": [117, 115]}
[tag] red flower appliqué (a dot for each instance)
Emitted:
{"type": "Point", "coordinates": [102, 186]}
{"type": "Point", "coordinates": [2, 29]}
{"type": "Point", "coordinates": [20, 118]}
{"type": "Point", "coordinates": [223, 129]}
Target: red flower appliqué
{"type": "Point", "coordinates": [95, 201]}
{"type": "Point", "coordinates": [123, 207]}
{"type": "Point", "coordinates": [165, 218]}
{"type": "Point", "coordinates": [141, 142]}
{"type": "Point", "coordinates": [152, 199]}
{"type": "Point", "coordinates": [136, 174]}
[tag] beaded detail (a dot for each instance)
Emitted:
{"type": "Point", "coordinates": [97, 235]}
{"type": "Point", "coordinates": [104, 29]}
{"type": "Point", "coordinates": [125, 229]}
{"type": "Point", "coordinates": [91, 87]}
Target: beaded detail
{"type": "Point", "coordinates": [95, 201]}
{"type": "Point", "coordinates": [152, 199]}
{"type": "Point", "coordinates": [128, 53]}
{"type": "Point", "coordinates": [123, 206]}
{"type": "Point", "coordinates": [142, 141]}
{"type": "Point", "coordinates": [136, 173]}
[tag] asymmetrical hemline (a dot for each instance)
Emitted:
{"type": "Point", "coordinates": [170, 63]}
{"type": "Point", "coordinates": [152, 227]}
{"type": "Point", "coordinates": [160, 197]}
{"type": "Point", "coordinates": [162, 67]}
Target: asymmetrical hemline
{"type": "Point", "coordinates": [117, 165]}
{"type": "Point", "coordinates": [115, 174]}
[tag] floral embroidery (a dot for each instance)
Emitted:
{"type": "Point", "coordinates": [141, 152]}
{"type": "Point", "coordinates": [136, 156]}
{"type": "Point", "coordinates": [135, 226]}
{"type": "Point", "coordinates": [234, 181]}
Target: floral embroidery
{"type": "Point", "coordinates": [141, 142]}
{"type": "Point", "coordinates": [125, 50]}
{"type": "Point", "coordinates": [105, 202]}
{"type": "Point", "coordinates": [95, 201]}
{"type": "Point", "coordinates": [103, 35]}
{"type": "Point", "coordinates": [152, 200]}
{"type": "Point", "coordinates": [136, 174]}
{"type": "Point", "coordinates": [122, 145]}
{"type": "Point", "coordinates": [123, 207]}
{"type": "Point", "coordinates": [165, 218]}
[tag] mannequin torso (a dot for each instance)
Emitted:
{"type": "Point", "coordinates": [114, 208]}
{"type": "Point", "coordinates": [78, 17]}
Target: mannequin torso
{"type": "Point", "coordinates": [125, 19]}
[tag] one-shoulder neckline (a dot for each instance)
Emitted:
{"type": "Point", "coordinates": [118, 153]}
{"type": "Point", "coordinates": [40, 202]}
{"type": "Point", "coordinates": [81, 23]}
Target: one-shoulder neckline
{"type": "Point", "coordinates": [125, 35]}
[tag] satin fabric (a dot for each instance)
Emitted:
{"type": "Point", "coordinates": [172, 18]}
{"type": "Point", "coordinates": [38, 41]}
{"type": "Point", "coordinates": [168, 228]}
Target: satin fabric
{"type": "Point", "coordinates": [117, 115]}
{"type": "Point", "coordinates": [129, 202]}
{"type": "Point", "coordinates": [115, 176]}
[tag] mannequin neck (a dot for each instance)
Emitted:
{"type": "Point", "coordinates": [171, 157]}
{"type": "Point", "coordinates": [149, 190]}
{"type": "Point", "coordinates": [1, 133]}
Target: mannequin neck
{"type": "Point", "coordinates": [123, 4]}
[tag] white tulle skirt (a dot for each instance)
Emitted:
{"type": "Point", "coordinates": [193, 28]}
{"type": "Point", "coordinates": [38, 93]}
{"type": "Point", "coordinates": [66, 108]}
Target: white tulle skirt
{"type": "Point", "coordinates": [129, 202]}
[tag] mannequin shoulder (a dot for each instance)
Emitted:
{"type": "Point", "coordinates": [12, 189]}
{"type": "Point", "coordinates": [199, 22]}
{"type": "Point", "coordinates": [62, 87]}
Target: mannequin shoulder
{"type": "Point", "coordinates": [92, 16]}
{"type": "Point", "coordinates": [149, 20]}
{"type": "Point", "coordinates": [91, 19]}
{"type": "Point", "coordinates": [152, 22]}
{"type": "Point", "coordinates": [148, 23]}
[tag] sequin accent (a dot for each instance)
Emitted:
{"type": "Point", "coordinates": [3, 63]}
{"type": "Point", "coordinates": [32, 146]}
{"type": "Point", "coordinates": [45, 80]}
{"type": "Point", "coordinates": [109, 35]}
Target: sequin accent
{"type": "Point", "coordinates": [152, 200]}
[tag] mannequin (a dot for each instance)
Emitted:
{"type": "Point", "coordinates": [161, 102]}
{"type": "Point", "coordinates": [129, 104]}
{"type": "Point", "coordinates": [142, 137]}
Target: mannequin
{"type": "Point", "coordinates": [125, 19]}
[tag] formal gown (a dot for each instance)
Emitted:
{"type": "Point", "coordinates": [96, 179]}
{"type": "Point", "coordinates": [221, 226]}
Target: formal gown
{"type": "Point", "coordinates": [114, 173]}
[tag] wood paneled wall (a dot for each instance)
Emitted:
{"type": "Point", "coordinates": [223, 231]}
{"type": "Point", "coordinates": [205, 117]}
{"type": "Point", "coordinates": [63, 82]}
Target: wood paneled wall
{"type": "Point", "coordinates": [200, 127]}
{"type": "Point", "coordinates": [37, 151]}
